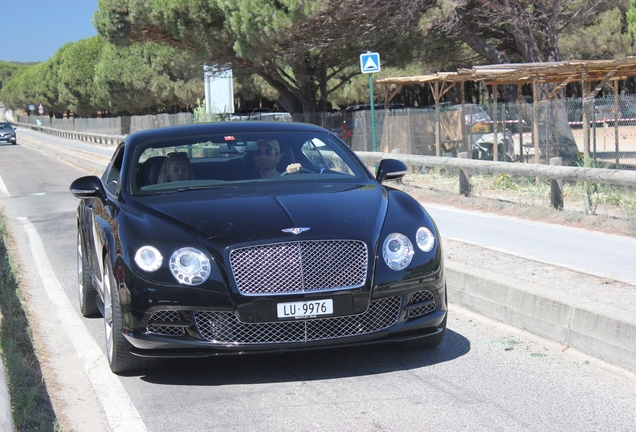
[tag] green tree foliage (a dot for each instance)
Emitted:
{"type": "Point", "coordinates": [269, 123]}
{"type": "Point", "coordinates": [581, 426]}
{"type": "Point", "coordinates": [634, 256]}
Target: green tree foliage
{"type": "Point", "coordinates": [38, 84]}
{"type": "Point", "coordinates": [75, 75]}
{"type": "Point", "coordinates": [603, 39]}
{"type": "Point", "coordinates": [7, 70]}
{"type": "Point", "coordinates": [146, 78]}
{"type": "Point", "coordinates": [304, 49]}
{"type": "Point", "coordinates": [91, 75]}
{"type": "Point", "coordinates": [22, 90]}
{"type": "Point", "coordinates": [47, 89]}
{"type": "Point", "coordinates": [504, 31]}
{"type": "Point", "coordinates": [631, 20]}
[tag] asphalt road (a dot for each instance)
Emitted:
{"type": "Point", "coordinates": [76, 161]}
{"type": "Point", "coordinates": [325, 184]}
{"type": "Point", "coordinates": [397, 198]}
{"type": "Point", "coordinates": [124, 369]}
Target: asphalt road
{"type": "Point", "coordinates": [484, 376]}
{"type": "Point", "coordinates": [101, 150]}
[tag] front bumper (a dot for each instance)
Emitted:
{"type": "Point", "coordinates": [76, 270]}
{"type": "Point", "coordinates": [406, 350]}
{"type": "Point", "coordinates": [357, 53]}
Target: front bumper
{"type": "Point", "coordinates": [201, 333]}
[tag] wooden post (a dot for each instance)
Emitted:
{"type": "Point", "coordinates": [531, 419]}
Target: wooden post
{"type": "Point", "coordinates": [615, 88]}
{"type": "Point", "coordinates": [465, 146]}
{"type": "Point", "coordinates": [556, 186]}
{"type": "Point", "coordinates": [464, 176]}
{"type": "Point", "coordinates": [586, 116]}
{"type": "Point", "coordinates": [520, 118]}
{"type": "Point", "coordinates": [495, 141]}
{"type": "Point", "coordinates": [535, 127]}
{"type": "Point", "coordinates": [437, 120]}
{"type": "Point", "coordinates": [535, 120]}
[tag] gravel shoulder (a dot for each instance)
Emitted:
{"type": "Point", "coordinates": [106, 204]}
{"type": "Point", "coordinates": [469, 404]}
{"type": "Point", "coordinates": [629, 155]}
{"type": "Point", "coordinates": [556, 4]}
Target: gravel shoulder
{"type": "Point", "coordinates": [604, 291]}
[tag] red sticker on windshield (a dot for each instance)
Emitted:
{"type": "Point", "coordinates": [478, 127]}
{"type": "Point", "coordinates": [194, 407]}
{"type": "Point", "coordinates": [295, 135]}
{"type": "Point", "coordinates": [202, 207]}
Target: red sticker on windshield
{"type": "Point", "coordinates": [229, 138]}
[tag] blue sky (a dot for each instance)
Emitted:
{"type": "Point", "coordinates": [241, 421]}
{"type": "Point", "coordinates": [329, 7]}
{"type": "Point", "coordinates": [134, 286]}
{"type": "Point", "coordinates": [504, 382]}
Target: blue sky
{"type": "Point", "coordinates": [33, 30]}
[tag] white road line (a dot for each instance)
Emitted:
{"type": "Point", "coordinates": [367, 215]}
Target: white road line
{"type": "Point", "coordinates": [120, 412]}
{"type": "Point", "coordinates": [457, 210]}
{"type": "Point", "coordinates": [3, 188]}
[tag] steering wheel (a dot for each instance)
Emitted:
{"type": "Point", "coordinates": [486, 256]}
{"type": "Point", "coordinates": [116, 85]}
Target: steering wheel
{"type": "Point", "coordinates": [301, 171]}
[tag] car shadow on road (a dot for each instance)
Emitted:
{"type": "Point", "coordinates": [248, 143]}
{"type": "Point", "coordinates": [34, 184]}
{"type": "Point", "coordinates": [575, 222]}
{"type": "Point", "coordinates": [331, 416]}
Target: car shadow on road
{"type": "Point", "coordinates": [302, 366]}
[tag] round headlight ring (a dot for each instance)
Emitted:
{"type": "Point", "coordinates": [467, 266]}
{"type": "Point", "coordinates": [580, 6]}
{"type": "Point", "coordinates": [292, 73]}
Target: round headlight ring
{"type": "Point", "coordinates": [189, 266]}
{"type": "Point", "coordinates": [425, 239]}
{"type": "Point", "coordinates": [397, 251]}
{"type": "Point", "coordinates": [148, 258]}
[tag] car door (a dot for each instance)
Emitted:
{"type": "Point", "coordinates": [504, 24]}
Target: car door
{"type": "Point", "coordinates": [102, 217]}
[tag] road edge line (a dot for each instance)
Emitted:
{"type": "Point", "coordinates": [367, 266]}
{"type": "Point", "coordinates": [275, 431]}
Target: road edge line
{"type": "Point", "coordinates": [118, 408]}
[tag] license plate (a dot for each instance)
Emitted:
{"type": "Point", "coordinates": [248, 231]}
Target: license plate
{"type": "Point", "coordinates": [481, 128]}
{"type": "Point", "coordinates": [304, 309]}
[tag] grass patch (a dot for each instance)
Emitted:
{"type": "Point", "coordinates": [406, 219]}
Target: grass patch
{"type": "Point", "coordinates": [30, 402]}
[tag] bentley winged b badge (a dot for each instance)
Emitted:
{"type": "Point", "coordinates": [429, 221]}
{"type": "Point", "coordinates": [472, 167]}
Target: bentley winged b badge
{"type": "Point", "coordinates": [295, 230]}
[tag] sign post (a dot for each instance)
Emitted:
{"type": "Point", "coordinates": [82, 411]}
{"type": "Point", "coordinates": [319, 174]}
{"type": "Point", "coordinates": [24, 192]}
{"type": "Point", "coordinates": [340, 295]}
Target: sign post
{"type": "Point", "coordinates": [370, 63]}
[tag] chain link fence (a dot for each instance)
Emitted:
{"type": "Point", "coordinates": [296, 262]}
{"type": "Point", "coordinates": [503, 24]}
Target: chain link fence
{"type": "Point", "coordinates": [559, 125]}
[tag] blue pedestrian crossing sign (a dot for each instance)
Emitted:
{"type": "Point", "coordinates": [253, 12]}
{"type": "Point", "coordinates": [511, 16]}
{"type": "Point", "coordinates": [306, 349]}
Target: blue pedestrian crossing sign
{"type": "Point", "coordinates": [370, 62]}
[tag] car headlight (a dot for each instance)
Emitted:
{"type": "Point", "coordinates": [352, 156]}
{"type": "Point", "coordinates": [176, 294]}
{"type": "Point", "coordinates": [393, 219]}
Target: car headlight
{"type": "Point", "coordinates": [425, 239]}
{"type": "Point", "coordinates": [397, 251]}
{"type": "Point", "coordinates": [148, 258]}
{"type": "Point", "coordinates": [189, 266]}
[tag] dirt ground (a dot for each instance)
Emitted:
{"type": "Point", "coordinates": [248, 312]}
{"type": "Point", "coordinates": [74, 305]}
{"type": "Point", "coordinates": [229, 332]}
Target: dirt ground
{"type": "Point", "coordinates": [604, 137]}
{"type": "Point", "coordinates": [534, 205]}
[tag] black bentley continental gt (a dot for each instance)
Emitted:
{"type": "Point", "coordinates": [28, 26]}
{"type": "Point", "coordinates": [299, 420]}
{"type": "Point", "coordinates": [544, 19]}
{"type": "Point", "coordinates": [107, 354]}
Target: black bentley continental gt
{"type": "Point", "coordinates": [253, 237]}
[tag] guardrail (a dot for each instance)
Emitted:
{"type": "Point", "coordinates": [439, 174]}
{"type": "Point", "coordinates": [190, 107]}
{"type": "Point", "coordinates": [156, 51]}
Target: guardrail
{"type": "Point", "coordinates": [550, 172]}
{"type": "Point", "coordinates": [553, 172]}
{"type": "Point", "coordinates": [82, 136]}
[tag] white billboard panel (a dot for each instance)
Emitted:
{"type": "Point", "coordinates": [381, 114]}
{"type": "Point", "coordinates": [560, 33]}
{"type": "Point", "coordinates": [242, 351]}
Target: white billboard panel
{"type": "Point", "coordinates": [219, 91]}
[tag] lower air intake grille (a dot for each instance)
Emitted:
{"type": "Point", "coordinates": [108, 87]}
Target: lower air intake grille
{"type": "Point", "coordinates": [224, 327]}
{"type": "Point", "coordinates": [427, 300]}
{"type": "Point", "coordinates": [159, 323]}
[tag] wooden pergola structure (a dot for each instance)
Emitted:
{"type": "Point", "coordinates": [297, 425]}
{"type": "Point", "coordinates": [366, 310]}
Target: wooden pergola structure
{"type": "Point", "coordinates": [559, 74]}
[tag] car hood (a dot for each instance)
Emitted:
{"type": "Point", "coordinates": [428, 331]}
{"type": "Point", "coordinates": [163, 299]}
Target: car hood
{"type": "Point", "coordinates": [260, 213]}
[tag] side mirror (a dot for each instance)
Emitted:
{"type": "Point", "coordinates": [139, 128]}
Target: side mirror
{"type": "Point", "coordinates": [87, 187]}
{"type": "Point", "coordinates": [390, 169]}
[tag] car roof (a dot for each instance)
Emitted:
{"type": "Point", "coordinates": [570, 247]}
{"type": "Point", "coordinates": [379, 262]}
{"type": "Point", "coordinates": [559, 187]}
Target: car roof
{"type": "Point", "coordinates": [220, 128]}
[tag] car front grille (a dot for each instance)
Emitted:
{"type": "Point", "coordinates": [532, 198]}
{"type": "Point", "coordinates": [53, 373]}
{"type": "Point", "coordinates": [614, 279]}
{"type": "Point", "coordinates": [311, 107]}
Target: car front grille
{"type": "Point", "coordinates": [224, 327]}
{"type": "Point", "coordinates": [300, 267]}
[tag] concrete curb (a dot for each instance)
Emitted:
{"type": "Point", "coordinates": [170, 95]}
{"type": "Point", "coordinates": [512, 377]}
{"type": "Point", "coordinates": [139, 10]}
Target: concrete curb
{"type": "Point", "coordinates": [6, 413]}
{"type": "Point", "coordinates": [602, 331]}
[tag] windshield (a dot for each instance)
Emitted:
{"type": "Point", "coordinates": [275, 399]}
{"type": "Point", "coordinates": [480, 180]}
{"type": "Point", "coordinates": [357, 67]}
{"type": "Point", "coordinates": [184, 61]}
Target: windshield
{"type": "Point", "coordinates": [222, 160]}
{"type": "Point", "coordinates": [5, 126]}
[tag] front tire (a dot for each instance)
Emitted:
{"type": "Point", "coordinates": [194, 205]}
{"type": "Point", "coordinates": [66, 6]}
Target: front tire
{"type": "Point", "coordinates": [118, 348]}
{"type": "Point", "coordinates": [85, 288]}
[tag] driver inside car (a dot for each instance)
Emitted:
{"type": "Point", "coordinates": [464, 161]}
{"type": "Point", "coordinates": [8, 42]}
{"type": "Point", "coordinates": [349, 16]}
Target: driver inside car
{"type": "Point", "coordinates": [267, 157]}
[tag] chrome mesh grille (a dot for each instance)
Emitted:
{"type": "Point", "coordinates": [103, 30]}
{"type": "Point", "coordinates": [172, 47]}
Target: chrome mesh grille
{"type": "Point", "coordinates": [224, 327]}
{"type": "Point", "coordinates": [422, 297]}
{"type": "Point", "coordinates": [166, 330]}
{"type": "Point", "coordinates": [297, 267]}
